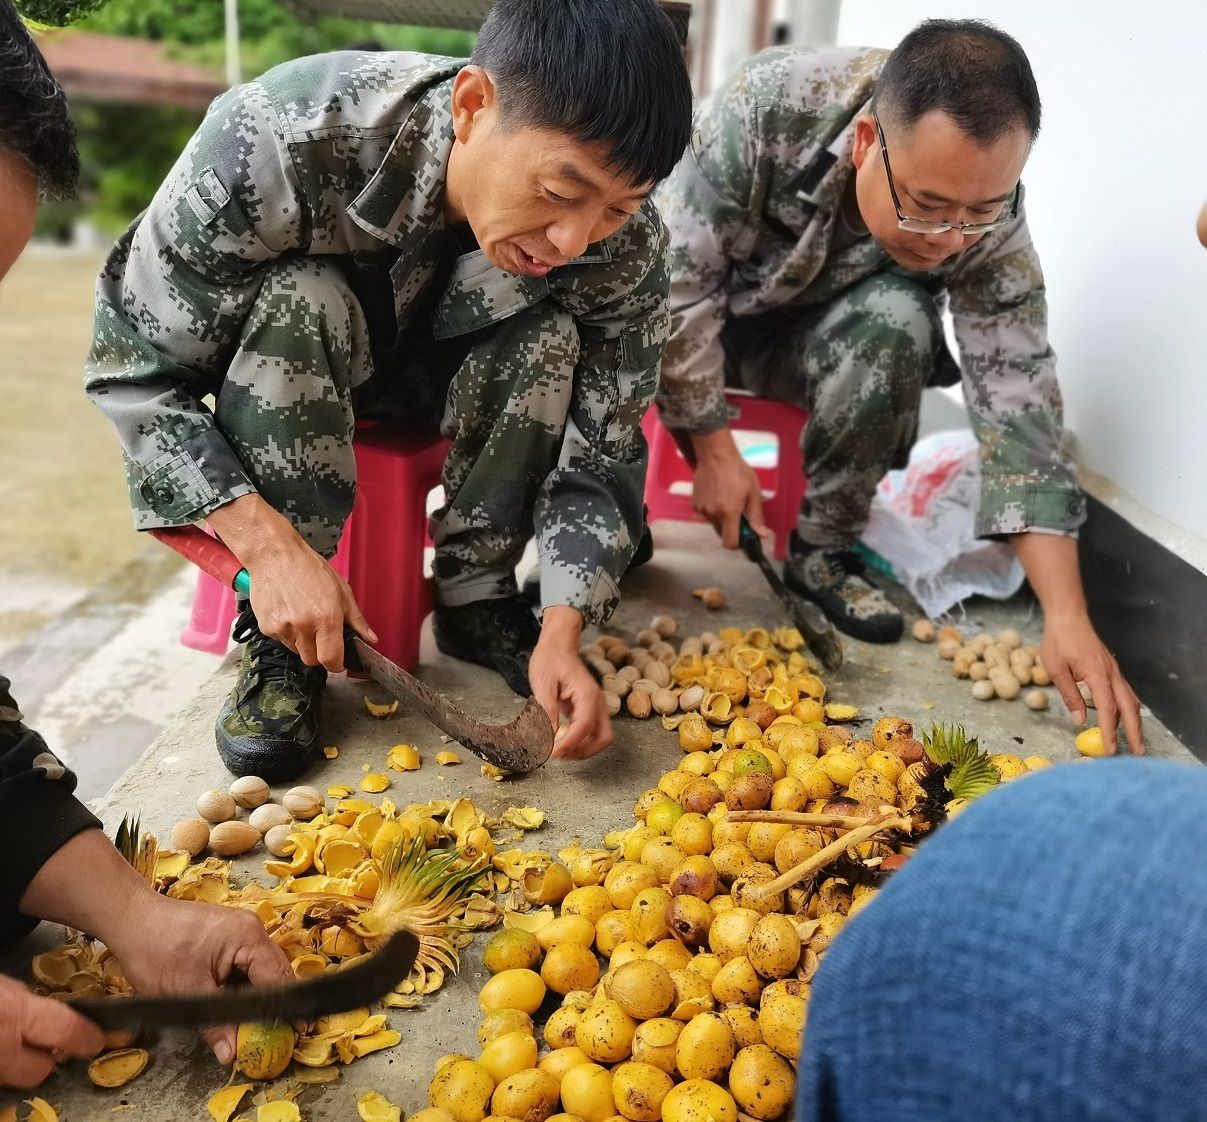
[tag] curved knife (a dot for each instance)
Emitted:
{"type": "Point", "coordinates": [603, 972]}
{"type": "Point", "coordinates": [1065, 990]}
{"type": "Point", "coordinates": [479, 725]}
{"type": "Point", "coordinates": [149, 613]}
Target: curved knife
{"type": "Point", "coordinates": [521, 745]}
{"type": "Point", "coordinates": [336, 992]}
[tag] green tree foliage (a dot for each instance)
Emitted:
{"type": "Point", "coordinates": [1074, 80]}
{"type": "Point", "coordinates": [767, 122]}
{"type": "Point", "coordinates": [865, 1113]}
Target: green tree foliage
{"type": "Point", "coordinates": [126, 151]}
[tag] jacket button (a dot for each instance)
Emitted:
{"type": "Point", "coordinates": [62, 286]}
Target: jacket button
{"type": "Point", "coordinates": [1075, 505]}
{"type": "Point", "coordinates": [165, 494]}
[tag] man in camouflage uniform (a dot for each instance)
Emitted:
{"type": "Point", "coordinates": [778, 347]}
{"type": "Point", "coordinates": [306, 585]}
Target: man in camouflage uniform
{"type": "Point", "coordinates": [810, 265]}
{"type": "Point", "coordinates": [399, 235]}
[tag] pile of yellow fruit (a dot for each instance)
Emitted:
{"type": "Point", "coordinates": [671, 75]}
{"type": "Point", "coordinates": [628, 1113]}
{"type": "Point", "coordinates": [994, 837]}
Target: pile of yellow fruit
{"type": "Point", "coordinates": [667, 972]}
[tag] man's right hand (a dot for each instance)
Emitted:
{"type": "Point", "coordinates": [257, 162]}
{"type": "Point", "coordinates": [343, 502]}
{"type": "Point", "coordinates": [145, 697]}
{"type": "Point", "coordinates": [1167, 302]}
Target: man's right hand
{"type": "Point", "coordinates": [298, 598]}
{"type": "Point", "coordinates": [33, 1030]}
{"type": "Point", "coordinates": [725, 486]}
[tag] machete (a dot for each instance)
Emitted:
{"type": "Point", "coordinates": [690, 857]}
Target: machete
{"type": "Point", "coordinates": [819, 632]}
{"type": "Point", "coordinates": [336, 992]}
{"type": "Point", "coordinates": [521, 745]}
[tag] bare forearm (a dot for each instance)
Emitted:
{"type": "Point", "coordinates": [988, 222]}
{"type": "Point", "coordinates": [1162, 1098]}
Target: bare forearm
{"type": "Point", "coordinates": [718, 446]}
{"type": "Point", "coordinates": [86, 884]}
{"type": "Point", "coordinates": [1051, 565]}
{"type": "Point", "coordinates": [561, 627]}
{"type": "Point", "coordinates": [255, 531]}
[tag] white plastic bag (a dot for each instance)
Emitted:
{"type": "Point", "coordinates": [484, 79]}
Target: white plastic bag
{"type": "Point", "coordinates": [923, 521]}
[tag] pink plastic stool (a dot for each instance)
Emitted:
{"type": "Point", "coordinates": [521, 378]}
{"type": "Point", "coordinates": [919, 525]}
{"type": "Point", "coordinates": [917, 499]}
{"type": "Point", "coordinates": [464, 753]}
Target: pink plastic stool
{"type": "Point", "coordinates": [668, 481]}
{"type": "Point", "coordinates": [380, 554]}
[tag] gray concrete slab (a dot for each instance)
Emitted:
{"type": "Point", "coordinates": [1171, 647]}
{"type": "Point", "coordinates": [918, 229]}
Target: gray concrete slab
{"type": "Point", "coordinates": [582, 800]}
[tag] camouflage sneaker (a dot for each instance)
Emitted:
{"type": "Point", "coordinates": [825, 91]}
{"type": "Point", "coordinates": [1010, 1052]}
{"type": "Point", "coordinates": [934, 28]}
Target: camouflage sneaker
{"type": "Point", "coordinates": [833, 578]}
{"type": "Point", "coordinates": [496, 633]}
{"type": "Point", "coordinates": [269, 724]}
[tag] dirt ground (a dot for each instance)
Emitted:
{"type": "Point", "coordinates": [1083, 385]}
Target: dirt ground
{"type": "Point", "coordinates": [66, 516]}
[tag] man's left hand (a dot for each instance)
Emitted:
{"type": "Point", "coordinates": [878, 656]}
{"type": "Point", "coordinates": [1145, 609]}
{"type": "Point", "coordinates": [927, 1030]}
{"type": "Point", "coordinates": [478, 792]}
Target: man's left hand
{"type": "Point", "coordinates": [565, 687]}
{"type": "Point", "coordinates": [170, 946]}
{"type": "Point", "coordinates": [1072, 652]}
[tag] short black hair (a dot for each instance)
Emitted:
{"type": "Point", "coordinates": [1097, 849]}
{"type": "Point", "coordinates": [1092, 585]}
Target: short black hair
{"type": "Point", "coordinates": [600, 70]}
{"type": "Point", "coordinates": [967, 68]}
{"type": "Point", "coordinates": [34, 119]}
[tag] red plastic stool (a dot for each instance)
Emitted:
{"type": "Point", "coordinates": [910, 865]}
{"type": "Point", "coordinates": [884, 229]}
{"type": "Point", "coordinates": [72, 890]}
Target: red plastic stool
{"type": "Point", "coordinates": [668, 481]}
{"type": "Point", "coordinates": [381, 552]}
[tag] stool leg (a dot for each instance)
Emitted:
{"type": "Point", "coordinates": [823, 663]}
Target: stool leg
{"type": "Point", "coordinates": [211, 617]}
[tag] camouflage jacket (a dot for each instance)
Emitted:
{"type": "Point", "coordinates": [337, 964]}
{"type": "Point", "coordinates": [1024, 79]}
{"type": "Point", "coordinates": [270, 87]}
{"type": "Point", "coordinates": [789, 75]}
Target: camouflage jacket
{"type": "Point", "coordinates": [345, 154]}
{"type": "Point", "coordinates": [752, 211]}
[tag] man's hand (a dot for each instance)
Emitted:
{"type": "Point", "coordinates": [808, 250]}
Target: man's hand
{"type": "Point", "coordinates": [725, 486]}
{"type": "Point", "coordinates": [1072, 652]}
{"type": "Point", "coordinates": [564, 686]}
{"type": "Point", "coordinates": [298, 598]}
{"type": "Point", "coordinates": [180, 947]}
{"type": "Point", "coordinates": [163, 945]}
{"type": "Point", "coordinates": [33, 1030]}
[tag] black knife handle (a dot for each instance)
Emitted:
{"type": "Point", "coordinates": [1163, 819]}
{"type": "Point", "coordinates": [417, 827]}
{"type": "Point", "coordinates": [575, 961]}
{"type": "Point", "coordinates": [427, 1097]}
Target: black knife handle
{"type": "Point", "coordinates": [751, 543]}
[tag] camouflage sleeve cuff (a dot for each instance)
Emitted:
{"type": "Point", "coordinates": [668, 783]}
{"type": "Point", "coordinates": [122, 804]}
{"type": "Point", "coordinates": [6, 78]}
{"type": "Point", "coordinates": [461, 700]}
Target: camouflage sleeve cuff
{"type": "Point", "coordinates": [1009, 507]}
{"type": "Point", "coordinates": [684, 416]}
{"type": "Point", "coordinates": [595, 601]}
{"type": "Point", "coordinates": [185, 483]}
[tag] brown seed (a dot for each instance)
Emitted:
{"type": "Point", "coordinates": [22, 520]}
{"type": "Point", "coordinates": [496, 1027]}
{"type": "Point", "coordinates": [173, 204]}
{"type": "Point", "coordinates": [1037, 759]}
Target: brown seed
{"type": "Point", "coordinates": [983, 690]}
{"type": "Point", "coordinates": [216, 806]}
{"type": "Point", "coordinates": [265, 817]}
{"type": "Point", "coordinates": [229, 839]}
{"type": "Point", "coordinates": [249, 792]}
{"type": "Point", "coordinates": [276, 840]}
{"type": "Point", "coordinates": [639, 704]}
{"type": "Point", "coordinates": [192, 835]}
{"type": "Point", "coordinates": [924, 631]}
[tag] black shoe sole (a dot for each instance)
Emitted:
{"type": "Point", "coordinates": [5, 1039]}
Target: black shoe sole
{"type": "Point", "coordinates": [885, 630]}
{"type": "Point", "coordinates": [273, 762]}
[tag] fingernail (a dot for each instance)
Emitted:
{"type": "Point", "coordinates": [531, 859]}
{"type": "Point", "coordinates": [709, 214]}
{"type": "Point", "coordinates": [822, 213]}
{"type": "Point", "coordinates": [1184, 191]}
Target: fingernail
{"type": "Point", "coordinates": [224, 1052]}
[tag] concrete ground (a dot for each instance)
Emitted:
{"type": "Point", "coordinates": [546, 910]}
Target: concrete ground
{"type": "Point", "coordinates": [583, 801]}
{"type": "Point", "coordinates": [90, 610]}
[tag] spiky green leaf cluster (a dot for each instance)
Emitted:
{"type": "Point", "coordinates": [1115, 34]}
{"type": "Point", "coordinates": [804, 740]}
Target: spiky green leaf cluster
{"type": "Point", "coordinates": [971, 773]}
{"type": "Point", "coordinates": [421, 891]}
{"type": "Point", "coordinates": [138, 848]}
{"type": "Point", "coordinates": [128, 839]}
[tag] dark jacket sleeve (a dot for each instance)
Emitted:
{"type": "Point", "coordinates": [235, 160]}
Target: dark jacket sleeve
{"type": "Point", "coordinates": [38, 812]}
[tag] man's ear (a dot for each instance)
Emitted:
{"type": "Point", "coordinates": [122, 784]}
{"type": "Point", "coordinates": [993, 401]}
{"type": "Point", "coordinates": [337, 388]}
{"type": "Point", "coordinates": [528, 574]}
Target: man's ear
{"type": "Point", "coordinates": [865, 138]}
{"type": "Point", "coordinates": [473, 97]}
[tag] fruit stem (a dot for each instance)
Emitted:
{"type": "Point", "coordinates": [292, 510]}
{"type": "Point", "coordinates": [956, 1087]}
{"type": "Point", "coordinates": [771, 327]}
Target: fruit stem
{"type": "Point", "coordinates": [880, 824]}
{"type": "Point", "coordinates": [798, 818]}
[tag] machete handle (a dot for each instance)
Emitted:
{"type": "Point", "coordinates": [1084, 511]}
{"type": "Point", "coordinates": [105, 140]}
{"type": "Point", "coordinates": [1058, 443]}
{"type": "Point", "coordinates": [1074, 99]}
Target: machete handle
{"type": "Point", "coordinates": [751, 543]}
{"type": "Point", "coordinates": [208, 554]}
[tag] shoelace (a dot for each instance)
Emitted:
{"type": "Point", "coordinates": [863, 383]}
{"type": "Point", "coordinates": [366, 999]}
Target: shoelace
{"type": "Point", "coordinates": [273, 661]}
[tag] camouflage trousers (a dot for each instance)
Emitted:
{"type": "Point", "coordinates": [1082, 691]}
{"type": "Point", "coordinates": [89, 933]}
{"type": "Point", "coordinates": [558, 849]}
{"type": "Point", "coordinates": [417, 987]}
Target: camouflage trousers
{"type": "Point", "coordinates": [859, 364]}
{"type": "Point", "coordinates": [304, 372]}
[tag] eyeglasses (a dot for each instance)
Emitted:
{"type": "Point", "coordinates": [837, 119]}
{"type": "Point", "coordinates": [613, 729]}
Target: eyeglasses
{"type": "Point", "coordinates": [930, 226]}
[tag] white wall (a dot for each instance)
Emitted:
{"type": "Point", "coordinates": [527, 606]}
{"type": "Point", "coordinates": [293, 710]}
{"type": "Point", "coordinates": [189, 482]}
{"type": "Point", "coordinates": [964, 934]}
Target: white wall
{"type": "Point", "coordinates": [1114, 186]}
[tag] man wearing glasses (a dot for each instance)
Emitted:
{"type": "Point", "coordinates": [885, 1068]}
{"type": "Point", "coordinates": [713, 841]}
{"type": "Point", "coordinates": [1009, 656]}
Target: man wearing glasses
{"type": "Point", "coordinates": [832, 204]}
